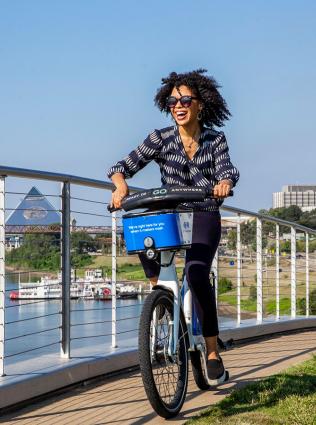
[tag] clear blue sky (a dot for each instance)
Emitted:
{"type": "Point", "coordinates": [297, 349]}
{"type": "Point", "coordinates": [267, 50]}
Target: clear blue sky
{"type": "Point", "coordinates": [78, 80]}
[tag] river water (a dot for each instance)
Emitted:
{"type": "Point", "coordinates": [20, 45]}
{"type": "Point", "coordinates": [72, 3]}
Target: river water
{"type": "Point", "coordinates": [90, 323]}
{"type": "Point", "coordinates": [31, 324]}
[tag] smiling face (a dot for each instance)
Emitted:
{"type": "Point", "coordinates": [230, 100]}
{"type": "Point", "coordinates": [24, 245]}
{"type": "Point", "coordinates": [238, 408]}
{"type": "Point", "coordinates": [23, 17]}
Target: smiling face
{"type": "Point", "coordinates": [185, 116]}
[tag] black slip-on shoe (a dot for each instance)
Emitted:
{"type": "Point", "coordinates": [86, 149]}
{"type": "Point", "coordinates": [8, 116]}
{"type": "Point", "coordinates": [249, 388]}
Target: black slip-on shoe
{"type": "Point", "coordinates": [216, 372]}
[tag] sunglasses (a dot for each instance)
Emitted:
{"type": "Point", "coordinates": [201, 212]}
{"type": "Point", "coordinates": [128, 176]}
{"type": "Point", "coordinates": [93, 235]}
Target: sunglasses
{"type": "Point", "coordinates": [184, 100]}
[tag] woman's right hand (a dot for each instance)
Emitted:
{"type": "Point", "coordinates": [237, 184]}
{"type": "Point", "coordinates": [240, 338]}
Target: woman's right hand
{"type": "Point", "coordinates": [119, 194]}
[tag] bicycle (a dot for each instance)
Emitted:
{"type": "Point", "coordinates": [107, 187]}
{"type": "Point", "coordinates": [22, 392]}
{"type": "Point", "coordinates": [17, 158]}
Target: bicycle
{"type": "Point", "coordinates": [169, 328]}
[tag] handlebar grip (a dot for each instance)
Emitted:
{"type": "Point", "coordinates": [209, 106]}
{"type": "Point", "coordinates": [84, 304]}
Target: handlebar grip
{"type": "Point", "coordinates": [112, 209]}
{"type": "Point", "coordinates": [211, 194]}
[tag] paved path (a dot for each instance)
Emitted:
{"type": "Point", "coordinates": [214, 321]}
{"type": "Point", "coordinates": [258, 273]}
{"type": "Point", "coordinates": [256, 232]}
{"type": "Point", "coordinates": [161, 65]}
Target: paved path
{"type": "Point", "coordinates": [121, 400]}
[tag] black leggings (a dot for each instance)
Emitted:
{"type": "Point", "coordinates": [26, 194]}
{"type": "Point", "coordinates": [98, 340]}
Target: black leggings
{"type": "Point", "coordinates": [198, 261]}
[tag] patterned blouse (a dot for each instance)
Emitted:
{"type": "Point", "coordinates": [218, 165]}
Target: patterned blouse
{"type": "Point", "coordinates": [209, 165]}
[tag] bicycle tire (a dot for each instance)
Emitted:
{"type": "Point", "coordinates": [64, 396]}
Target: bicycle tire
{"type": "Point", "coordinates": [198, 371]}
{"type": "Point", "coordinates": [150, 360]}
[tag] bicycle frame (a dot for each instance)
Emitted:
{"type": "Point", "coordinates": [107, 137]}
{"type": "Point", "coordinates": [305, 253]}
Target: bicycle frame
{"type": "Point", "coordinates": [168, 280]}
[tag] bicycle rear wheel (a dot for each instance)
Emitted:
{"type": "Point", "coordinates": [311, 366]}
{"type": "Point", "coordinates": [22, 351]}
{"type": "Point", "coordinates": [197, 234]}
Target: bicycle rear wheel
{"type": "Point", "coordinates": [165, 378]}
{"type": "Point", "coordinates": [198, 370]}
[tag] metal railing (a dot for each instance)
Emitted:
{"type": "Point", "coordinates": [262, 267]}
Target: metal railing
{"type": "Point", "coordinates": [67, 322]}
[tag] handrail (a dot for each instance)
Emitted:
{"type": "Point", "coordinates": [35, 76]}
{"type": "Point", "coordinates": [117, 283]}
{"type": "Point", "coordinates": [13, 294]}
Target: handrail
{"type": "Point", "coordinates": [60, 177]}
{"type": "Point", "coordinates": [269, 218]}
{"type": "Point", "coordinates": [66, 312]}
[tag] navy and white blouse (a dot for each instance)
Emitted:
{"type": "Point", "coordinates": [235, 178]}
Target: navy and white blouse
{"type": "Point", "coordinates": [209, 165]}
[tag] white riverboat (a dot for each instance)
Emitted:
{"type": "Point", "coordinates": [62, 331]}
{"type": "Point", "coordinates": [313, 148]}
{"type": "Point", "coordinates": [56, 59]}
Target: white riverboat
{"type": "Point", "coordinates": [46, 288]}
{"type": "Point", "coordinates": [92, 286]}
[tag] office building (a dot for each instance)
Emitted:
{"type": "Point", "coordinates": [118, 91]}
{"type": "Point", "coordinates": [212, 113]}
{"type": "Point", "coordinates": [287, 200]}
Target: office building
{"type": "Point", "coordinates": [304, 196]}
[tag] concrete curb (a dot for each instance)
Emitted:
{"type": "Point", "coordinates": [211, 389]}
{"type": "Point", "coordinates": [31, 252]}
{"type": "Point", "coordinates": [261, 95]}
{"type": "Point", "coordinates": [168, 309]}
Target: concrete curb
{"type": "Point", "coordinates": [269, 328]}
{"type": "Point", "coordinates": [84, 369]}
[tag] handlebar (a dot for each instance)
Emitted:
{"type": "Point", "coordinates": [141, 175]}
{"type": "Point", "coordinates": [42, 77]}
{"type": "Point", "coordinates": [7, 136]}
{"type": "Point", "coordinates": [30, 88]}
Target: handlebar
{"type": "Point", "coordinates": [169, 197]}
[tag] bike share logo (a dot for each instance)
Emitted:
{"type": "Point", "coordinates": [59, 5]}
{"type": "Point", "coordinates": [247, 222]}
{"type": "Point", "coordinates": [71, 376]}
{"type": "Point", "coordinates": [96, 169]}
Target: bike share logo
{"type": "Point", "coordinates": [186, 225]}
{"type": "Point", "coordinates": [159, 191]}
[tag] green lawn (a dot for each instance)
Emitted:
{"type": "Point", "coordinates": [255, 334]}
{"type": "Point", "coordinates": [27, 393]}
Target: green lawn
{"type": "Point", "coordinates": [128, 267]}
{"type": "Point", "coordinates": [249, 304]}
{"type": "Point", "coordinates": [288, 398]}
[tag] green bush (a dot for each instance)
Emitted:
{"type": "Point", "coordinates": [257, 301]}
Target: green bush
{"type": "Point", "coordinates": [253, 293]}
{"type": "Point", "coordinates": [224, 285]}
{"type": "Point", "coordinates": [301, 304]}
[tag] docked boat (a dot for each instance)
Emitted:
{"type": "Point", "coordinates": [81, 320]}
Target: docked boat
{"type": "Point", "coordinates": [45, 288]}
{"type": "Point", "coordinates": [127, 292]}
{"type": "Point", "coordinates": [104, 293]}
{"type": "Point", "coordinates": [92, 286]}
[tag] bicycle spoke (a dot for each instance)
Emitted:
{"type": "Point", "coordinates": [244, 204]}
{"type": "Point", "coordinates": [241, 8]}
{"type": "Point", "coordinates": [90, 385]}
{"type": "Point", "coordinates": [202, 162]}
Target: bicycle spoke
{"type": "Point", "coordinates": [166, 371]}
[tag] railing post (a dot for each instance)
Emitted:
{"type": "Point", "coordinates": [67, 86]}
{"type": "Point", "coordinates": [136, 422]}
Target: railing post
{"type": "Point", "coordinates": [277, 271]}
{"type": "Point", "coordinates": [113, 289]}
{"type": "Point", "coordinates": [293, 272]}
{"type": "Point", "coordinates": [215, 271]}
{"type": "Point", "coordinates": [66, 271]}
{"type": "Point", "coordinates": [238, 270]}
{"type": "Point", "coordinates": [2, 274]}
{"type": "Point", "coordinates": [307, 273]}
{"type": "Point", "coordinates": [259, 270]}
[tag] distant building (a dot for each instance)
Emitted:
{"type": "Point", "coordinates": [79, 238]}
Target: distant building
{"type": "Point", "coordinates": [302, 196]}
{"type": "Point", "coordinates": [34, 213]}
{"type": "Point", "coordinates": [230, 223]}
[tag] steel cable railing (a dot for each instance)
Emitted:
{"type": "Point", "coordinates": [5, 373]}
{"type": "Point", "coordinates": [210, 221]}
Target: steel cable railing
{"type": "Point", "coordinates": [107, 323]}
{"type": "Point", "coordinates": [84, 319]}
{"type": "Point", "coordinates": [31, 331]}
{"type": "Point", "coordinates": [32, 318]}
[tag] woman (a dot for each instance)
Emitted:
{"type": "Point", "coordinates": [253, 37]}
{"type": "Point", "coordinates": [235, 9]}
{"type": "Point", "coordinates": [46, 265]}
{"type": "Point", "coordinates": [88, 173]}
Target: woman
{"type": "Point", "coordinates": [191, 152]}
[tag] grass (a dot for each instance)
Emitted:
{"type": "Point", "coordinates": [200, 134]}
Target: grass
{"type": "Point", "coordinates": [128, 267]}
{"type": "Point", "coordinates": [288, 398]}
{"type": "Point", "coordinates": [269, 307]}
{"type": "Point", "coordinates": [245, 304]}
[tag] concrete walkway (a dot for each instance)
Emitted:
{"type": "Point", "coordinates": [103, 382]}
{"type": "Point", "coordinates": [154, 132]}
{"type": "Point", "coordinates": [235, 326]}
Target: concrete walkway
{"type": "Point", "coordinates": [121, 400]}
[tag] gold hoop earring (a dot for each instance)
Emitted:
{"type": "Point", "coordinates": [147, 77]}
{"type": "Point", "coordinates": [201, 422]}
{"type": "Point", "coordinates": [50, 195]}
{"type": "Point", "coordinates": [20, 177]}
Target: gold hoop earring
{"type": "Point", "coordinates": [199, 116]}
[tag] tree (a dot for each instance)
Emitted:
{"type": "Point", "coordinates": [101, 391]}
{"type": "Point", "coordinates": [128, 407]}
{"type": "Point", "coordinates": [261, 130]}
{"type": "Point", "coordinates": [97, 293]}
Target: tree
{"type": "Point", "coordinates": [39, 252]}
{"type": "Point", "coordinates": [308, 219]}
{"type": "Point", "coordinates": [42, 251]}
{"type": "Point", "coordinates": [232, 239]}
{"type": "Point", "coordinates": [312, 303]}
{"type": "Point", "coordinates": [81, 244]}
{"type": "Point", "coordinates": [224, 285]}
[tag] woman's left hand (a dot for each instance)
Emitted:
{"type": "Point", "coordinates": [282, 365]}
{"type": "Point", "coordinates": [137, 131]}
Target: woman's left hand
{"type": "Point", "coordinates": [222, 189]}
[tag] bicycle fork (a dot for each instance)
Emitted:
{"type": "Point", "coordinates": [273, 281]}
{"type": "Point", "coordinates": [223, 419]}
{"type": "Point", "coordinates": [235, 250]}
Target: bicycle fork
{"type": "Point", "coordinates": [168, 280]}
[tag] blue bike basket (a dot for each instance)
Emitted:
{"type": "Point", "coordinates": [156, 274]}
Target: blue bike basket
{"type": "Point", "coordinates": [168, 230]}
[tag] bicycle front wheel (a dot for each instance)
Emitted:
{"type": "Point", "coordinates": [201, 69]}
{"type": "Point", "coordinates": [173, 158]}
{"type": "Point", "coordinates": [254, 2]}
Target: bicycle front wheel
{"type": "Point", "coordinates": [165, 377]}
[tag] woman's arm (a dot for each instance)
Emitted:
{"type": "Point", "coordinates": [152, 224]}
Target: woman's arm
{"type": "Point", "coordinates": [130, 165]}
{"type": "Point", "coordinates": [121, 190]}
{"type": "Point", "coordinates": [226, 173]}
{"type": "Point", "coordinates": [139, 157]}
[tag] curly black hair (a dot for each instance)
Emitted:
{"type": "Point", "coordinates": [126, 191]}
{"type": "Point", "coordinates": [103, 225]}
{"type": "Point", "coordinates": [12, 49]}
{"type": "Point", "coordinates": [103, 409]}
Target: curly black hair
{"type": "Point", "coordinates": [215, 110]}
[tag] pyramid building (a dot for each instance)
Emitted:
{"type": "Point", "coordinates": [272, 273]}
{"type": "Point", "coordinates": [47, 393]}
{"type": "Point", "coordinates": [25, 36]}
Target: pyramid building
{"type": "Point", "coordinates": [34, 210]}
